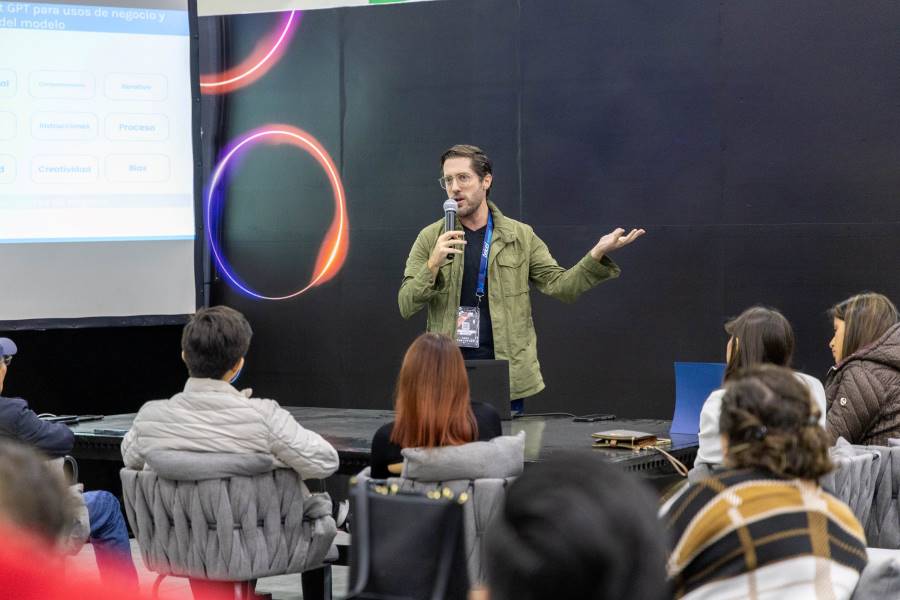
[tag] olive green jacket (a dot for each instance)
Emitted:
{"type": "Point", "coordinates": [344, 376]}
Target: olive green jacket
{"type": "Point", "coordinates": [517, 257]}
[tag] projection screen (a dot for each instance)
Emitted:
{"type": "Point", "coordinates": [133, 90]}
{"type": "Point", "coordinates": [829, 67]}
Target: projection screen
{"type": "Point", "coordinates": [98, 175]}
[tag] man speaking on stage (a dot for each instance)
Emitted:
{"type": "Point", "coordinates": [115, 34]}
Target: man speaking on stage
{"type": "Point", "coordinates": [475, 281]}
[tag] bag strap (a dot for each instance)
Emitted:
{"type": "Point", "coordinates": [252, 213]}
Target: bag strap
{"type": "Point", "coordinates": [679, 466]}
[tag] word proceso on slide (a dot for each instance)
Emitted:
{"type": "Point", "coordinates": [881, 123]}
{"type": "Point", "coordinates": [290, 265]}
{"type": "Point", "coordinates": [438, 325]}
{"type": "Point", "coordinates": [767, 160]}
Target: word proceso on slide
{"type": "Point", "coordinates": [25, 15]}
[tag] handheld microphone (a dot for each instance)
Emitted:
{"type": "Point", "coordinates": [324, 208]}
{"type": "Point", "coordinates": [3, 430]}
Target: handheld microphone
{"type": "Point", "coordinates": [450, 218]}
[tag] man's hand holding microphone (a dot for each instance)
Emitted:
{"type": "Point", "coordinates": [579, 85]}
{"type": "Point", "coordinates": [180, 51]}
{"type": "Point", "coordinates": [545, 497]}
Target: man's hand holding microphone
{"type": "Point", "coordinates": [449, 243]}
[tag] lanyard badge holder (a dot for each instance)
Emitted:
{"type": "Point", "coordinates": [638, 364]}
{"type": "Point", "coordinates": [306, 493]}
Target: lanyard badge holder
{"type": "Point", "coordinates": [468, 318]}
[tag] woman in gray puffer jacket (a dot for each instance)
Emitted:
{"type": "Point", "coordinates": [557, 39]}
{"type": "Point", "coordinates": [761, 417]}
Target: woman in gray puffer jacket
{"type": "Point", "coordinates": [862, 390]}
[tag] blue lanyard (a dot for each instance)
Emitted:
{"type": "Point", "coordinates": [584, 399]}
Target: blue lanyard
{"type": "Point", "coordinates": [485, 250]}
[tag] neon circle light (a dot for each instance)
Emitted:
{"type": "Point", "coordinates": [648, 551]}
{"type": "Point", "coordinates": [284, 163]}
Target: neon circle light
{"type": "Point", "coordinates": [333, 251]}
{"type": "Point", "coordinates": [266, 54]}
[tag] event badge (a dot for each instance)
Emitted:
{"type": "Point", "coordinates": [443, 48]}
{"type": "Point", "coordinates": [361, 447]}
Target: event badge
{"type": "Point", "coordinates": [467, 322]}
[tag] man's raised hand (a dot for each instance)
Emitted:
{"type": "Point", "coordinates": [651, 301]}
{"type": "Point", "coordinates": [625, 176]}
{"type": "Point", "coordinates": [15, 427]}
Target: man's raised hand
{"type": "Point", "coordinates": [614, 240]}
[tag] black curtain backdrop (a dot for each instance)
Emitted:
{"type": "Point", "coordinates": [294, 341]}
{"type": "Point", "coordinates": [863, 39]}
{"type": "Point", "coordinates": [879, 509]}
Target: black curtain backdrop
{"type": "Point", "coordinates": [756, 142]}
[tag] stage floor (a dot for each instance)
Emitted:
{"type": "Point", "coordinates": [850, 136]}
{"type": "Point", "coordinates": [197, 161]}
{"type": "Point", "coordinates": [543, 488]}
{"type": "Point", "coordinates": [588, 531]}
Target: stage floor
{"type": "Point", "coordinates": [350, 431]}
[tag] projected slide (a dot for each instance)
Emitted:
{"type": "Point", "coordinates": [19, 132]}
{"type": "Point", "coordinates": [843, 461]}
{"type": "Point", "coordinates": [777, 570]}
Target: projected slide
{"type": "Point", "coordinates": [96, 148]}
{"type": "Point", "coordinates": [100, 149]}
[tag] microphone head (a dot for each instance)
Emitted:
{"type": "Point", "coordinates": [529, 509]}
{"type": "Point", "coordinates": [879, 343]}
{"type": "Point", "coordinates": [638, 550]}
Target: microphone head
{"type": "Point", "coordinates": [450, 205]}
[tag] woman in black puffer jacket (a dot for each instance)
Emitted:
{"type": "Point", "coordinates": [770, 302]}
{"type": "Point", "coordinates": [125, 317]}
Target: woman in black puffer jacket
{"type": "Point", "coordinates": [862, 390]}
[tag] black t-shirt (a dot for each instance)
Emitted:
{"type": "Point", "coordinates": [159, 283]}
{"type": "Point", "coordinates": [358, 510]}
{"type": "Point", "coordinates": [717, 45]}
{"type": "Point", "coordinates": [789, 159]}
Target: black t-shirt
{"type": "Point", "coordinates": [471, 266]}
{"type": "Point", "coordinates": [385, 452]}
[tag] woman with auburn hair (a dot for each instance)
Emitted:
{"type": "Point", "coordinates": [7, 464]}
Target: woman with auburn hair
{"type": "Point", "coordinates": [759, 335]}
{"type": "Point", "coordinates": [763, 527]}
{"type": "Point", "coordinates": [432, 406]}
{"type": "Point", "coordinates": [863, 387]}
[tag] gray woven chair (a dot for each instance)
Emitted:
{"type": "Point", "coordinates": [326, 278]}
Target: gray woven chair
{"type": "Point", "coordinates": [854, 479]}
{"type": "Point", "coordinates": [227, 517]}
{"type": "Point", "coordinates": [883, 526]}
{"type": "Point", "coordinates": [872, 493]}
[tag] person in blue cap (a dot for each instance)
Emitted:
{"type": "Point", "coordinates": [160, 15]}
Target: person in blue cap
{"type": "Point", "coordinates": [107, 531]}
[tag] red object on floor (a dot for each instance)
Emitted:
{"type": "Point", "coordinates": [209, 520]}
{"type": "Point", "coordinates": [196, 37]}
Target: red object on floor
{"type": "Point", "coordinates": [31, 570]}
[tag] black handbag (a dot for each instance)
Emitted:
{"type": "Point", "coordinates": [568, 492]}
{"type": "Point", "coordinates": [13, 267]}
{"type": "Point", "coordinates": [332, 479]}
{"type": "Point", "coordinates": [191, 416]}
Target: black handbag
{"type": "Point", "coordinates": [406, 546]}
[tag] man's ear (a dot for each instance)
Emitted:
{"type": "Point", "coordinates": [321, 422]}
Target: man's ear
{"type": "Point", "coordinates": [182, 357]}
{"type": "Point", "coordinates": [486, 182]}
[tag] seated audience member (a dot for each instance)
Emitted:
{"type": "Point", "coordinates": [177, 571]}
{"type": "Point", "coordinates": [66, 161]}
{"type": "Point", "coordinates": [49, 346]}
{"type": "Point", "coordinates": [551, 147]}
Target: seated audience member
{"type": "Point", "coordinates": [210, 415]}
{"type": "Point", "coordinates": [35, 515]}
{"type": "Point", "coordinates": [863, 387]}
{"type": "Point", "coordinates": [758, 336]}
{"type": "Point", "coordinates": [764, 528]}
{"type": "Point", "coordinates": [432, 406]}
{"type": "Point", "coordinates": [575, 526]}
{"type": "Point", "coordinates": [106, 527]}
{"type": "Point", "coordinates": [33, 495]}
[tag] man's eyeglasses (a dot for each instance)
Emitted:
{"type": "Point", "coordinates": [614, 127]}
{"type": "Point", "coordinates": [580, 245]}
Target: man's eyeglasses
{"type": "Point", "coordinates": [462, 179]}
{"type": "Point", "coordinates": [6, 359]}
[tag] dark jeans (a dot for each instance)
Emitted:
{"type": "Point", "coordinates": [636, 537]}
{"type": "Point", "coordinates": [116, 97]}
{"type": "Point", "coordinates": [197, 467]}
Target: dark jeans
{"type": "Point", "coordinates": [109, 536]}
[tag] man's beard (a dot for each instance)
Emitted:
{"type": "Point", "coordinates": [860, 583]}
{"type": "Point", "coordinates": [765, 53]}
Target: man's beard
{"type": "Point", "coordinates": [468, 208]}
